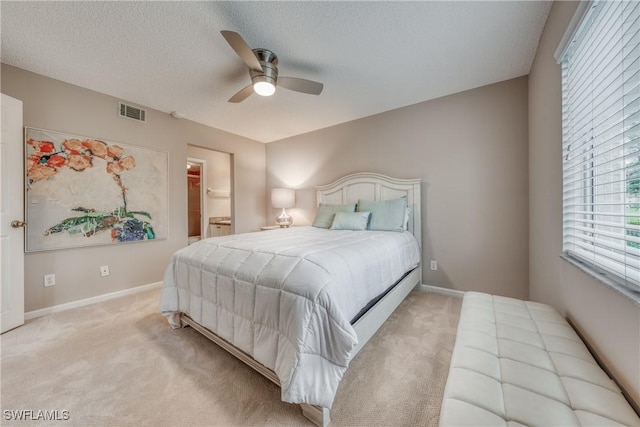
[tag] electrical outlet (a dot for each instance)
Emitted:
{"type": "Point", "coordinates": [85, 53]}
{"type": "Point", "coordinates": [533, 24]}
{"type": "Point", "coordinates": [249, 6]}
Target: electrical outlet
{"type": "Point", "coordinates": [49, 280]}
{"type": "Point", "coordinates": [434, 264]}
{"type": "Point", "coordinates": [104, 271]}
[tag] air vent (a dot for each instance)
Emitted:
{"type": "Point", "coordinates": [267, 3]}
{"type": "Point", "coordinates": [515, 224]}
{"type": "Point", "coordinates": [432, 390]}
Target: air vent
{"type": "Point", "coordinates": [133, 113]}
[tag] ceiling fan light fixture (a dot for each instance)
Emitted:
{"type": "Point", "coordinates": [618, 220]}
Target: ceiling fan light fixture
{"type": "Point", "coordinates": [263, 70]}
{"type": "Point", "coordinates": [263, 86]}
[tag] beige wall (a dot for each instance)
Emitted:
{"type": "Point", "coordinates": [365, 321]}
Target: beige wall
{"type": "Point", "coordinates": [469, 149]}
{"type": "Point", "coordinates": [609, 321]}
{"type": "Point", "coordinates": [54, 105]}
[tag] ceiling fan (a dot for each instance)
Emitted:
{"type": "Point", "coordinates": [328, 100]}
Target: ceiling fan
{"type": "Point", "coordinates": [263, 70]}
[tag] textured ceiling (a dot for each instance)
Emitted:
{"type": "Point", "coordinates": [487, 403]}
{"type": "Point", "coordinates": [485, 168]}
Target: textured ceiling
{"type": "Point", "coordinates": [371, 56]}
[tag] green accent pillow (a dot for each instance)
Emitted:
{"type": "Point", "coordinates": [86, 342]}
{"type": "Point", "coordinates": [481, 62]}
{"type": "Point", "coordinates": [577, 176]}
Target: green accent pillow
{"type": "Point", "coordinates": [386, 215]}
{"type": "Point", "coordinates": [355, 221]}
{"type": "Point", "coordinates": [326, 212]}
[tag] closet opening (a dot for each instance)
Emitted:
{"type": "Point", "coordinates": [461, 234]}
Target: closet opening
{"type": "Point", "coordinates": [209, 192]}
{"type": "Point", "coordinates": [196, 194]}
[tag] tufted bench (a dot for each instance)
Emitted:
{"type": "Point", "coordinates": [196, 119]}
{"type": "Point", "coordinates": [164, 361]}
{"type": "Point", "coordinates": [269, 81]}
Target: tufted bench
{"type": "Point", "coordinates": [520, 363]}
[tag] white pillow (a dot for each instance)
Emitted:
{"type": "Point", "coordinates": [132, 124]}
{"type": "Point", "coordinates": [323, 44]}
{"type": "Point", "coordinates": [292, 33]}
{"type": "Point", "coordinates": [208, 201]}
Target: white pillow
{"type": "Point", "coordinates": [326, 213]}
{"type": "Point", "coordinates": [350, 221]}
{"type": "Point", "coordinates": [406, 218]}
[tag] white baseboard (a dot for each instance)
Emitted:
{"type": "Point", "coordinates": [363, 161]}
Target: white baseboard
{"type": "Point", "coordinates": [87, 301]}
{"type": "Point", "coordinates": [444, 291]}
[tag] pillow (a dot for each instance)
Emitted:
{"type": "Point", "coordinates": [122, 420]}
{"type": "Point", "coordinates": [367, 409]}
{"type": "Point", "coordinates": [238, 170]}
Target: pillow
{"type": "Point", "coordinates": [326, 212]}
{"type": "Point", "coordinates": [350, 221]}
{"type": "Point", "coordinates": [406, 218]}
{"type": "Point", "coordinates": [386, 215]}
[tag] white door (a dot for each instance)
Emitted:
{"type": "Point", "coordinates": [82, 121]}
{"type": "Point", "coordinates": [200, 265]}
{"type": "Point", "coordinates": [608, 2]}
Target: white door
{"type": "Point", "coordinates": [11, 215]}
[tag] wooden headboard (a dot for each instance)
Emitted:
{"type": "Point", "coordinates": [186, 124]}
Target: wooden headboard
{"type": "Point", "coordinates": [374, 186]}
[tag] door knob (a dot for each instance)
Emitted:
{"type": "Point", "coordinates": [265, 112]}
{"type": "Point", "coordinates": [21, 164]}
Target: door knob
{"type": "Point", "coordinates": [18, 224]}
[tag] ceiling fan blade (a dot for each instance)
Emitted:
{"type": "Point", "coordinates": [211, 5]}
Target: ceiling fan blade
{"type": "Point", "coordinates": [300, 85]}
{"type": "Point", "coordinates": [242, 94]}
{"type": "Point", "coordinates": [243, 50]}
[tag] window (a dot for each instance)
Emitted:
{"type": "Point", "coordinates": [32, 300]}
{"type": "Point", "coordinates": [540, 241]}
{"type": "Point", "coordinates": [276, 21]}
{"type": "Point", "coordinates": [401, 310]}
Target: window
{"type": "Point", "coordinates": [601, 145]}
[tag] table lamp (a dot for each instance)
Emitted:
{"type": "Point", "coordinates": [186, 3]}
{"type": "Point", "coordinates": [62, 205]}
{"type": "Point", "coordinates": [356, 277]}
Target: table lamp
{"type": "Point", "coordinates": [283, 198]}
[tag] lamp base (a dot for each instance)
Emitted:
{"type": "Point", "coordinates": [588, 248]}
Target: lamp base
{"type": "Point", "coordinates": [284, 220]}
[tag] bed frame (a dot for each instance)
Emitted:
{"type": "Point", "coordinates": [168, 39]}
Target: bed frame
{"type": "Point", "coordinates": [348, 189]}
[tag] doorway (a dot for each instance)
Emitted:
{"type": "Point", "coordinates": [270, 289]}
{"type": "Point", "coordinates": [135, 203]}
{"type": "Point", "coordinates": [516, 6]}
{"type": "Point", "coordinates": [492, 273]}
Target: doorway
{"type": "Point", "coordinates": [215, 196]}
{"type": "Point", "coordinates": [196, 196]}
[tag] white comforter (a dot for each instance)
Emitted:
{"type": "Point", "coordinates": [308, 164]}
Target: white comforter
{"type": "Point", "coordinates": [286, 297]}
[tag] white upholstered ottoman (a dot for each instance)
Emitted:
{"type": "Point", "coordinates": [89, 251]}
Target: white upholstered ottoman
{"type": "Point", "coordinates": [520, 363]}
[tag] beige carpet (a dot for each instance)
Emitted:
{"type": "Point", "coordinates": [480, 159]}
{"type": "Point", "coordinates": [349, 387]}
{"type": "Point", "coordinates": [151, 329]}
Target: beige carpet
{"type": "Point", "coordinates": [118, 363]}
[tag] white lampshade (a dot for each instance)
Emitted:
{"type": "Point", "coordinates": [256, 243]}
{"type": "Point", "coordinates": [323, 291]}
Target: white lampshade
{"type": "Point", "coordinates": [283, 197]}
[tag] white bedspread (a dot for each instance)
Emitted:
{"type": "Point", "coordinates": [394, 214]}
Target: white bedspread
{"type": "Point", "coordinates": [286, 297]}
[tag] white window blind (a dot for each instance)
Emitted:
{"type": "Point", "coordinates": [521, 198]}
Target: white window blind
{"type": "Point", "coordinates": [601, 145]}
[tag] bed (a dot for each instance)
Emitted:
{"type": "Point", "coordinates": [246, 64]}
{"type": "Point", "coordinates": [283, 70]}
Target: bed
{"type": "Point", "coordinates": [298, 304]}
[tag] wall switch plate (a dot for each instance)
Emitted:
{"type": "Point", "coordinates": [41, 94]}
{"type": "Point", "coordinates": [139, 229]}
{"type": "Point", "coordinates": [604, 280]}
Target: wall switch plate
{"type": "Point", "coordinates": [49, 280]}
{"type": "Point", "coordinates": [434, 264]}
{"type": "Point", "coordinates": [104, 271]}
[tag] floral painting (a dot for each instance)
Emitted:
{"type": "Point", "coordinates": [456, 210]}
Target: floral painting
{"type": "Point", "coordinates": [83, 191]}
